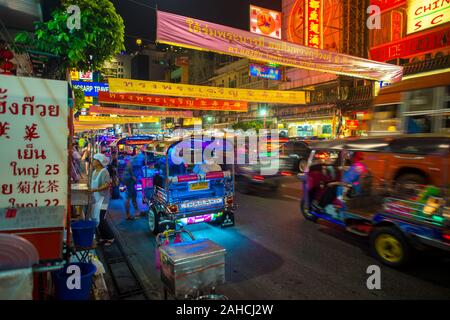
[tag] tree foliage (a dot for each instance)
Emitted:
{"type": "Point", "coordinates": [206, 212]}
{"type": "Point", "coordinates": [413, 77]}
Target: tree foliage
{"type": "Point", "coordinates": [251, 125]}
{"type": "Point", "coordinates": [100, 37]}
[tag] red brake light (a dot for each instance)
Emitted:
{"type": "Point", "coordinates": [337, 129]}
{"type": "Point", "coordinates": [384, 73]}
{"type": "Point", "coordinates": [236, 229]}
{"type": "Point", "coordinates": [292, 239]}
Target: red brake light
{"type": "Point", "coordinates": [258, 178]}
{"type": "Point", "coordinates": [285, 173]}
{"type": "Point", "coordinates": [446, 237]}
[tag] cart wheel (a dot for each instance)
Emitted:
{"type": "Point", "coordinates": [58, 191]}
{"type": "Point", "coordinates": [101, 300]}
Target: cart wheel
{"type": "Point", "coordinates": [227, 219]}
{"type": "Point", "coordinates": [153, 221]}
{"type": "Point", "coordinates": [389, 246]}
{"type": "Point", "coordinates": [306, 213]}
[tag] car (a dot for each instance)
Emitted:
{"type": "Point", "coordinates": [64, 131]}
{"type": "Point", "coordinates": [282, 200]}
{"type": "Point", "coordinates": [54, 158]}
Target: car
{"type": "Point", "coordinates": [294, 155]}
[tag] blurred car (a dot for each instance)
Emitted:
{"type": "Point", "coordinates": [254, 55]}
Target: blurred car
{"type": "Point", "coordinates": [266, 177]}
{"type": "Point", "coordinates": [294, 155]}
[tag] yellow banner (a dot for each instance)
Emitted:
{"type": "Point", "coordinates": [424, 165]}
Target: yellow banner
{"type": "Point", "coordinates": [116, 120]}
{"type": "Point", "coordinates": [193, 91]}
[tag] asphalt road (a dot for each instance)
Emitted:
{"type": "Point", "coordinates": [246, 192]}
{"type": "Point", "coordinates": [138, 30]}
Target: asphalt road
{"type": "Point", "coordinates": [274, 253]}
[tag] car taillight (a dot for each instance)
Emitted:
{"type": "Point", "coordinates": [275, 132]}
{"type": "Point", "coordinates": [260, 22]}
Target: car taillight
{"type": "Point", "coordinates": [446, 237]}
{"type": "Point", "coordinates": [258, 178]}
{"type": "Point", "coordinates": [285, 173]}
{"type": "Point", "coordinates": [229, 201]}
{"type": "Point", "coordinates": [173, 208]}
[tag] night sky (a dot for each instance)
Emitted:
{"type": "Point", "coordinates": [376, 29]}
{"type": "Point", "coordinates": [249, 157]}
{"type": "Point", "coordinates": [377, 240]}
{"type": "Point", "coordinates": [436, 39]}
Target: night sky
{"type": "Point", "coordinates": [140, 18]}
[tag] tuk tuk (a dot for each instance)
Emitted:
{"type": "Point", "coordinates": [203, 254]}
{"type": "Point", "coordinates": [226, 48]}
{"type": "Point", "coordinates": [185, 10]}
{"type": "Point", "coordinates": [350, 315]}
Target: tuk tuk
{"type": "Point", "coordinates": [178, 193]}
{"type": "Point", "coordinates": [367, 205]}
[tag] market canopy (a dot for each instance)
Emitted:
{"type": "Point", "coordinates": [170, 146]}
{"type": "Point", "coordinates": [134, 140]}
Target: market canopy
{"type": "Point", "coordinates": [196, 34]}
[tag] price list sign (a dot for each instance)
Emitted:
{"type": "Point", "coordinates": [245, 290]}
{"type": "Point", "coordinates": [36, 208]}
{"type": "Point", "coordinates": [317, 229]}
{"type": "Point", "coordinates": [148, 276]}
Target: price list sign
{"type": "Point", "coordinates": [34, 160]}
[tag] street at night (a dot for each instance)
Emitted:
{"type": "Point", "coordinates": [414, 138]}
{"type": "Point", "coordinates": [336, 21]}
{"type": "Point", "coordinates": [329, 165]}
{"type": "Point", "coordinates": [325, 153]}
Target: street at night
{"type": "Point", "coordinates": [274, 253]}
{"type": "Point", "coordinates": [242, 154]}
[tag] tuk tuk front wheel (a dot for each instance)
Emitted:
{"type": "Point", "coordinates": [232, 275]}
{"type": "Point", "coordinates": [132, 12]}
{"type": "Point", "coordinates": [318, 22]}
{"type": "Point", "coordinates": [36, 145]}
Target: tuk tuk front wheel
{"type": "Point", "coordinates": [153, 221]}
{"type": "Point", "coordinates": [305, 211]}
{"type": "Point", "coordinates": [390, 247]}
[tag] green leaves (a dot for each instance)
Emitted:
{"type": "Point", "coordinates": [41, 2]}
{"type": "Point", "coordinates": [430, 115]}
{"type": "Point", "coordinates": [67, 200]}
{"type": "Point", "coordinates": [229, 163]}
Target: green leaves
{"type": "Point", "coordinates": [101, 35]}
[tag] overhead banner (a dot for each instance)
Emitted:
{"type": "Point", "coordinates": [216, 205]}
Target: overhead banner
{"type": "Point", "coordinates": [34, 161]}
{"type": "Point", "coordinates": [208, 98]}
{"type": "Point", "coordinates": [116, 120]}
{"type": "Point", "coordinates": [91, 89]}
{"type": "Point", "coordinates": [148, 113]}
{"type": "Point", "coordinates": [201, 35]}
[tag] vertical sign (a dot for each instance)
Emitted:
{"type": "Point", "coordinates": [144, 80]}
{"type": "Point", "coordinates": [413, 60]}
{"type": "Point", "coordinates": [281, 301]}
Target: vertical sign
{"type": "Point", "coordinates": [33, 161]}
{"type": "Point", "coordinates": [313, 23]}
{"type": "Point", "coordinates": [397, 25]}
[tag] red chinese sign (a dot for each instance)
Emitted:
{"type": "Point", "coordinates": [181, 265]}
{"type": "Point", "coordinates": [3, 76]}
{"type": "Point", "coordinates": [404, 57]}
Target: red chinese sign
{"type": "Point", "coordinates": [352, 124]}
{"type": "Point", "coordinates": [174, 103]}
{"type": "Point", "coordinates": [410, 46]}
{"type": "Point", "coordinates": [33, 164]}
{"type": "Point", "coordinates": [387, 4]}
{"type": "Point", "coordinates": [313, 23]}
{"type": "Point", "coordinates": [397, 25]}
{"type": "Point", "coordinates": [146, 113]}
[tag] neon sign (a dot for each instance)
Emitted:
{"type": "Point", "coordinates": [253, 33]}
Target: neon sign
{"type": "Point", "coordinates": [261, 71]}
{"type": "Point", "coordinates": [423, 15]}
{"type": "Point", "coordinates": [265, 22]}
{"type": "Point", "coordinates": [313, 23]}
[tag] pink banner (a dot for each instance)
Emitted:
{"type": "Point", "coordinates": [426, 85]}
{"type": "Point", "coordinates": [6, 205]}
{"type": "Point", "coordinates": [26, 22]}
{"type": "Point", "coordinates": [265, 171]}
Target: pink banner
{"type": "Point", "coordinates": [197, 34]}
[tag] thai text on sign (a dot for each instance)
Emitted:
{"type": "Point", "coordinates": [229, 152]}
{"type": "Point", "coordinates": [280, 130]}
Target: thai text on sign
{"type": "Point", "coordinates": [201, 35]}
{"type": "Point", "coordinates": [33, 128]}
{"type": "Point", "coordinates": [148, 113]}
{"type": "Point", "coordinates": [208, 96]}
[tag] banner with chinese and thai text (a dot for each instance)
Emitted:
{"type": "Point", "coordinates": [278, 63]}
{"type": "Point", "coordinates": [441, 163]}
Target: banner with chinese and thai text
{"type": "Point", "coordinates": [34, 160]}
{"type": "Point", "coordinates": [133, 92]}
{"type": "Point", "coordinates": [201, 35]}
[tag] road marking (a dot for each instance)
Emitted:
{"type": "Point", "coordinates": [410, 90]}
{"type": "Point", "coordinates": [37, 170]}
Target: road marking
{"type": "Point", "coordinates": [291, 197]}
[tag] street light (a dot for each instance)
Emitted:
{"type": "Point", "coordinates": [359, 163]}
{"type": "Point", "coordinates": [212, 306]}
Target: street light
{"type": "Point", "coordinates": [263, 113]}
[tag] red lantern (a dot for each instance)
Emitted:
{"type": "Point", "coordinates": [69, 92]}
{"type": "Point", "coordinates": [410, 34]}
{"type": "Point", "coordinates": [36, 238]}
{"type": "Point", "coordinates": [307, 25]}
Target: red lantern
{"type": "Point", "coordinates": [7, 54]}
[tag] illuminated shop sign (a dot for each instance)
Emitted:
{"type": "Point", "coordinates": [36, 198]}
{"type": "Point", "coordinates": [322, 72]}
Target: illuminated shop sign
{"type": "Point", "coordinates": [313, 23]}
{"type": "Point", "coordinates": [423, 15]}
{"type": "Point", "coordinates": [261, 71]}
{"type": "Point", "coordinates": [91, 89]}
{"type": "Point", "coordinates": [411, 45]}
{"type": "Point", "coordinates": [265, 22]}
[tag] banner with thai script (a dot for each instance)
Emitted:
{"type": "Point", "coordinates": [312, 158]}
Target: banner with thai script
{"type": "Point", "coordinates": [168, 102]}
{"type": "Point", "coordinates": [147, 113]}
{"type": "Point", "coordinates": [201, 35]}
{"type": "Point", "coordinates": [34, 157]}
{"type": "Point", "coordinates": [115, 120]}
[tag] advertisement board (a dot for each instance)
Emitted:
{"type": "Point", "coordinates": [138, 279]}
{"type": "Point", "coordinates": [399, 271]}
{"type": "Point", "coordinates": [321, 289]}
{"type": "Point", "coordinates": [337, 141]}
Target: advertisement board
{"type": "Point", "coordinates": [265, 72]}
{"type": "Point", "coordinates": [34, 179]}
{"type": "Point", "coordinates": [265, 22]}
{"type": "Point", "coordinates": [91, 89]}
{"type": "Point", "coordinates": [427, 14]}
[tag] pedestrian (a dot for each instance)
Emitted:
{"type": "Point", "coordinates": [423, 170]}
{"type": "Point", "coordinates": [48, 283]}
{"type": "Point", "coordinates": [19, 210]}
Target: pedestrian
{"type": "Point", "coordinates": [130, 180]}
{"type": "Point", "coordinates": [85, 157]}
{"type": "Point", "coordinates": [100, 184]}
{"type": "Point", "coordinates": [113, 172]}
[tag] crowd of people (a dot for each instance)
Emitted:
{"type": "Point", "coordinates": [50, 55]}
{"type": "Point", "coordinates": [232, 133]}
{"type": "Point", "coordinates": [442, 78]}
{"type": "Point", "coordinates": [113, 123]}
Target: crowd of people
{"type": "Point", "coordinates": [92, 166]}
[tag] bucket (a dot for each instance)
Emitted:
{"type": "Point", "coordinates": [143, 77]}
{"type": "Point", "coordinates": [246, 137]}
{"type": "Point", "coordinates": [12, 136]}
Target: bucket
{"type": "Point", "coordinates": [62, 282]}
{"type": "Point", "coordinates": [83, 232]}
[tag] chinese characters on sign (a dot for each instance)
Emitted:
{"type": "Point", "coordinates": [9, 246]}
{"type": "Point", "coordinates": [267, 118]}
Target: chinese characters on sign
{"type": "Point", "coordinates": [205, 95]}
{"type": "Point", "coordinates": [265, 22]}
{"type": "Point", "coordinates": [33, 161]}
{"type": "Point", "coordinates": [397, 25]}
{"type": "Point", "coordinates": [313, 23]}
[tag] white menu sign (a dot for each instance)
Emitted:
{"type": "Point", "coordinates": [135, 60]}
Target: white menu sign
{"type": "Point", "coordinates": [33, 143]}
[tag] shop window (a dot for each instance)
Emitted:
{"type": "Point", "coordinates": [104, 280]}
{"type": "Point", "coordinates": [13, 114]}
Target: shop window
{"type": "Point", "coordinates": [420, 100]}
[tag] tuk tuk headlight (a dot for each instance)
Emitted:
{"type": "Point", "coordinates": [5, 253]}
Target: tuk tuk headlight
{"type": "Point", "coordinates": [173, 208]}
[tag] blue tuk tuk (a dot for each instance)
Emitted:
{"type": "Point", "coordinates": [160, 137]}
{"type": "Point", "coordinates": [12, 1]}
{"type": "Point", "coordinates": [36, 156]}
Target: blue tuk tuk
{"type": "Point", "coordinates": [178, 192]}
{"type": "Point", "coordinates": [396, 224]}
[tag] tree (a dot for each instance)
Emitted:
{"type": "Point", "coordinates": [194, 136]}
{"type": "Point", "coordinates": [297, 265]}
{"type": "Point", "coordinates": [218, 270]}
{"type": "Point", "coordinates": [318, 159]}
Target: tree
{"type": "Point", "coordinates": [99, 38]}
